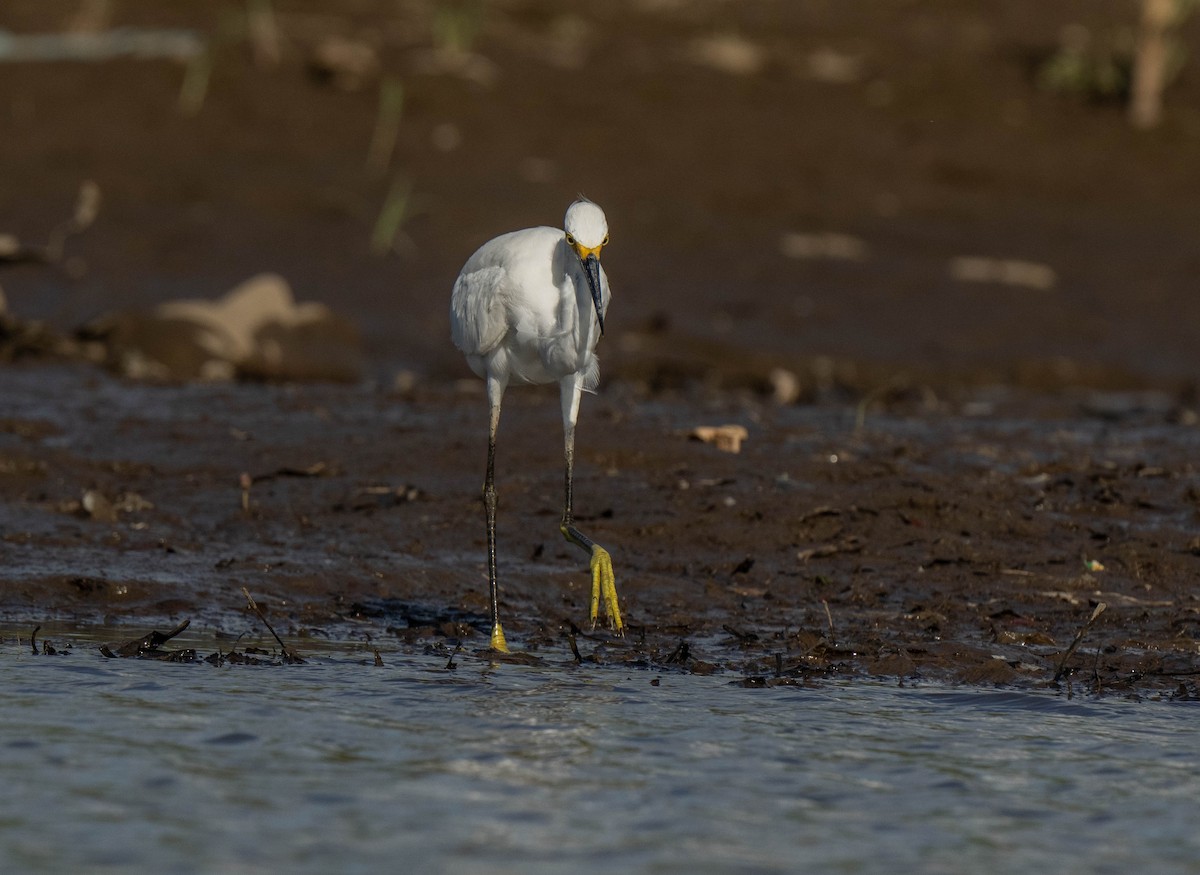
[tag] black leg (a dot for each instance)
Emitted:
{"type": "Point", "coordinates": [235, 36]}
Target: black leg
{"type": "Point", "coordinates": [489, 503]}
{"type": "Point", "coordinates": [604, 584]}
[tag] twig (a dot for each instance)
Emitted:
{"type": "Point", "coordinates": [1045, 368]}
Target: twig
{"type": "Point", "coordinates": [317, 469]}
{"type": "Point", "coordinates": [288, 655]}
{"type": "Point", "coordinates": [574, 648]}
{"type": "Point", "coordinates": [679, 654]}
{"type": "Point", "coordinates": [742, 637]}
{"type": "Point", "coordinates": [823, 510]}
{"type": "Point", "coordinates": [851, 544]}
{"type": "Point", "coordinates": [150, 642]}
{"type": "Point", "coordinates": [1062, 663]}
{"type": "Point", "coordinates": [829, 619]}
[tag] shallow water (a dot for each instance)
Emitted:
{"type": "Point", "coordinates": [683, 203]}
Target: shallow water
{"type": "Point", "coordinates": [338, 765]}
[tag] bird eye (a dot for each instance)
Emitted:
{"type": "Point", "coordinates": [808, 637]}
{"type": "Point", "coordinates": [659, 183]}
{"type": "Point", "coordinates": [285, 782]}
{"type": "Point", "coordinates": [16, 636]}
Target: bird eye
{"type": "Point", "coordinates": [570, 240]}
{"type": "Point", "coordinates": [604, 242]}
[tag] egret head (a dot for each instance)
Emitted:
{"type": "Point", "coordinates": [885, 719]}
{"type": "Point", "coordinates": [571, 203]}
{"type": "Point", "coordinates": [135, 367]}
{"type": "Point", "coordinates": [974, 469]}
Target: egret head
{"type": "Point", "coordinates": [587, 234]}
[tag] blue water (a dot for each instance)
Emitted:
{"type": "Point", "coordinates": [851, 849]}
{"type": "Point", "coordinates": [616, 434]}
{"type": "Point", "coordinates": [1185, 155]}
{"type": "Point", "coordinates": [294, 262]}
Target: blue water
{"type": "Point", "coordinates": [339, 766]}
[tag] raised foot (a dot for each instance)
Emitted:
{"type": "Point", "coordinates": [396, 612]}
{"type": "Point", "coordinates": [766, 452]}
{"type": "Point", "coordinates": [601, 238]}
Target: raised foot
{"type": "Point", "coordinates": [604, 582]}
{"type": "Point", "coordinates": [604, 586]}
{"type": "Point", "coordinates": [498, 642]}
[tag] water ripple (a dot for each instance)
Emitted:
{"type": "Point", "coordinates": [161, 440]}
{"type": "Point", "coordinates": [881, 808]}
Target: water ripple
{"type": "Point", "coordinates": [113, 765]}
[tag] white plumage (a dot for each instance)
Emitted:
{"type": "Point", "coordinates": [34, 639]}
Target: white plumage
{"type": "Point", "coordinates": [515, 310]}
{"type": "Point", "coordinates": [529, 307]}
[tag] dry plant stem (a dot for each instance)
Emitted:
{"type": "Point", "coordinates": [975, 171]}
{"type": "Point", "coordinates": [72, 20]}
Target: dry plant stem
{"type": "Point", "coordinates": [87, 207]}
{"type": "Point", "coordinates": [574, 648]}
{"type": "Point", "coordinates": [387, 126]}
{"type": "Point", "coordinates": [679, 655]}
{"type": "Point", "coordinates": [287, 653]}
{"type": "Point", "coordinates": [395, 212]}
{"type": "Point", "coordinates": [860, 413]}
{"type": "Point", "coordinates": [1150, 63]}
{"type": "Point", "coordinates": [829, 619]}
{"type": "Point", "coordinates": [1062, 663]}
{"type": "Point", "coordinates": [148, 643]}
{"type": "Point", "coordinates": [194, 88]}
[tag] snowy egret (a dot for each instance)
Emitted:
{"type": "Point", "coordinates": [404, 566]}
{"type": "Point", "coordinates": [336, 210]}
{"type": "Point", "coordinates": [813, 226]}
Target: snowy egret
{"type": "Point", "coordinates": [528, 307]}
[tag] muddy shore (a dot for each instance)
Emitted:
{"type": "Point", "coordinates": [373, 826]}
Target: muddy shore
{"type": "Point", "coordinates": [963, 540]}
{"type": "Point", "coordinates": [954, 311]}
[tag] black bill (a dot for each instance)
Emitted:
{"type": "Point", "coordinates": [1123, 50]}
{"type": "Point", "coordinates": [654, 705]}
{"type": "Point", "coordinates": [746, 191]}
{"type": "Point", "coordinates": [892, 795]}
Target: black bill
{"type": "Point", "coordinates": [591, 268]}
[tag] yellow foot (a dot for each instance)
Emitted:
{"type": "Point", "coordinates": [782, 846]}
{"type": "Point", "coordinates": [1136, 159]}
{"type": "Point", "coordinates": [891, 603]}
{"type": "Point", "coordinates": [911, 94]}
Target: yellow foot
{"type": "Point", "coordinates": [604, 586]}
{"type": "Point", "coordinates": [498, 642]}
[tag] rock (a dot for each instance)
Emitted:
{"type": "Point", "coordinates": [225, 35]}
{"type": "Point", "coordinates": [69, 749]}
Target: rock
{"type": "Point", "coordinates": [98, 507]}
{"type": "Point", "coordinates": [785, 386]}
{"type": "Point", "coordinates": [257, 330]}
{"type": "Point", "coordinates": [729, 53]}
{"type": "Point", "coordinates": [727, 438]}
{"type": "Point", "coordinates": [316, 345]}
{"type": "Point", "coordinates": [825, 245]}
{"type": "Point", "coordinates": [1003, 271]}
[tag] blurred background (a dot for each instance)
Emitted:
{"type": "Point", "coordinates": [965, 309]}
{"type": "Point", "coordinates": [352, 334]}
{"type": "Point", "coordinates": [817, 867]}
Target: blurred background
{"type": "Point", "coordinates": [804, 195]}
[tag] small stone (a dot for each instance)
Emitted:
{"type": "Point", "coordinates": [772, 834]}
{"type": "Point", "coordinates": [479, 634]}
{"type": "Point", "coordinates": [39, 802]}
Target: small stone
{"type": "Point", "coordinates": [727, 438]}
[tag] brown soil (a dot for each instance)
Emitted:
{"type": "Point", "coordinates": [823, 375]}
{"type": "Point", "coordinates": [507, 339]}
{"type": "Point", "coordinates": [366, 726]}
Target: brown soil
{"type": "Point", "coordinates": [965, 540]}
{"type": "Point", "coordinates": [1024, 452]}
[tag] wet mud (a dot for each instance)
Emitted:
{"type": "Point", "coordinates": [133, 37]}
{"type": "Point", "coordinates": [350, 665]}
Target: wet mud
{"type": "Point", "coordinates": [965, 540]}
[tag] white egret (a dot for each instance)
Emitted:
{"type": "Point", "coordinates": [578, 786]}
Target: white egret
{"type": "Point", "coordinates": [528, 307]}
